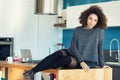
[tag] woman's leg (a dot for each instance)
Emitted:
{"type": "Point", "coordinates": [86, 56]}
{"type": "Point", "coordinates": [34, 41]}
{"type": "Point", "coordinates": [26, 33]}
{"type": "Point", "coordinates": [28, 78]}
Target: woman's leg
{"type": "Point", "coordinates": [64, 60]}
{"type": "Point", "coordinates": [54, 60]}
{"type": "Point", "coordinates": [44, 64]}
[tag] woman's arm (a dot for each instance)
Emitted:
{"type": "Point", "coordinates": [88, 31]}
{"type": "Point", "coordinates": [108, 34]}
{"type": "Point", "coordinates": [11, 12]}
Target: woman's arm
{"type": "Point", "coordinates": [100, 49]}
{"type": "Point", "coordinates": [73, 47]}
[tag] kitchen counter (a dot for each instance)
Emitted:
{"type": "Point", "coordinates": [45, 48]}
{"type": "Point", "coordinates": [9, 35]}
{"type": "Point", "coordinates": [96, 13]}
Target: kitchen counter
{"type": "Point", "coordinates": [15, 70]}
{"type": "Point", "coordinates": [113, 64]}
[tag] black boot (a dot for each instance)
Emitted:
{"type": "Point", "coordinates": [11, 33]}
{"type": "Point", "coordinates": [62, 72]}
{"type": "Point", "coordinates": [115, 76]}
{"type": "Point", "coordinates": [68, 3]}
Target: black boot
{"type": "Point", "coordinates": [29, 75]}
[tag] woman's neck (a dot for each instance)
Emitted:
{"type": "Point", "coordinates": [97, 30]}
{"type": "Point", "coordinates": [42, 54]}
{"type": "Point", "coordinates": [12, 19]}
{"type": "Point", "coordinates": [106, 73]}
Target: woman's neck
{"type": "Point", "coordinates": [87, 27]}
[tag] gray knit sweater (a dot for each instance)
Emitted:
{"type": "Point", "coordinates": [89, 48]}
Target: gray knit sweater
{"type": "Point", "coordinates": [87, 45]}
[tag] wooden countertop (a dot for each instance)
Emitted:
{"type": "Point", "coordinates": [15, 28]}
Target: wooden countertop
{"type": "Point", "coordinates": [17, 65]}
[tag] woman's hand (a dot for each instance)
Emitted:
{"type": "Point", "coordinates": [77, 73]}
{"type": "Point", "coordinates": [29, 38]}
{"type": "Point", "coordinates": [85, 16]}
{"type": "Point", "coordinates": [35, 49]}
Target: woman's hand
{"type": "Point", "coordinates": [84, 66]}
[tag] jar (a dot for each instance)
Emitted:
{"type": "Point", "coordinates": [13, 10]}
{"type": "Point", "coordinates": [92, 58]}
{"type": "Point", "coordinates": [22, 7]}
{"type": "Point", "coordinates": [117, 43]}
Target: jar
{"type": "Point", "coordinates": [59, 19]}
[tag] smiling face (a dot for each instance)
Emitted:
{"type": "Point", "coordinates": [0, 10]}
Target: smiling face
{"type": "Point", "coordinates": [92, 21]}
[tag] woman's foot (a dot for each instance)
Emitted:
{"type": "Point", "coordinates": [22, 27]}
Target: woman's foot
{"type": "Point", "coordinates": [29, 75]}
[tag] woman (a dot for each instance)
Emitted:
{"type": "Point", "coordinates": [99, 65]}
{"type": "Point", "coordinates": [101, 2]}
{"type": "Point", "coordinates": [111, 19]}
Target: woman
{"type": "Point", "coordinates": [86, 49]}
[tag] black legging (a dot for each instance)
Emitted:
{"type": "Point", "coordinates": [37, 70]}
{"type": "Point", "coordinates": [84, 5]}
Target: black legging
{"type": "Point", "coordinates": [56, 60]}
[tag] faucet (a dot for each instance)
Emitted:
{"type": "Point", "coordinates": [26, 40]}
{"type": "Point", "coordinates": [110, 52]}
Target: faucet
{"type": "Point", "coordinates": [110, 53]}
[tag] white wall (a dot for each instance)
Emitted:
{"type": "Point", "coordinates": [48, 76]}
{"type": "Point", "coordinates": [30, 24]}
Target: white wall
{"type": "Point", "coordinates": [111, 10]}
{"type": "Point", "coordinates": [30, 31]}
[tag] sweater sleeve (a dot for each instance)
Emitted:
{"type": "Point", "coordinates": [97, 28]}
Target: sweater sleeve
{"type": "Point", "coordinates": [73, 47]}
{"type": "Point", "coordinates": [100, 49]}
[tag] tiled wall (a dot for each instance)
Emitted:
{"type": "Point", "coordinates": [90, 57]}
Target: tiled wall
{"type": "Point", "coordinates": [110, 33]}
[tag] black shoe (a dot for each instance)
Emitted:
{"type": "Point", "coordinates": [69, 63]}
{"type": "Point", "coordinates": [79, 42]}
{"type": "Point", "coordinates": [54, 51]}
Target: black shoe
{"type": "Point", "coordinates": [29, 75]}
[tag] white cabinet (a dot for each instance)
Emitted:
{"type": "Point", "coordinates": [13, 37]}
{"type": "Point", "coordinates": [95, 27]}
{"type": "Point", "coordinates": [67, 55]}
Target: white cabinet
{"type": "Point", "coordinates": [111, 10]}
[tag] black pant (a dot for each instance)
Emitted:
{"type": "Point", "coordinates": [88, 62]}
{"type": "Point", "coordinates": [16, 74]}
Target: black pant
{"type": "Point", "coordinates": [60, 58]}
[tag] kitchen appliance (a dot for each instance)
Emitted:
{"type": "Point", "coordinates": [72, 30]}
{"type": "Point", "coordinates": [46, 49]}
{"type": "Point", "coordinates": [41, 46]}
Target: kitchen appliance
{"type": "Point", "coordinates": [6, 47]}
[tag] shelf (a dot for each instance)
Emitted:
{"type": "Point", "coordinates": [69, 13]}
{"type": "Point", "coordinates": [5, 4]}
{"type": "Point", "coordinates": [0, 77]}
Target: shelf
{"type": "Point", "coordinates": [60, 25]}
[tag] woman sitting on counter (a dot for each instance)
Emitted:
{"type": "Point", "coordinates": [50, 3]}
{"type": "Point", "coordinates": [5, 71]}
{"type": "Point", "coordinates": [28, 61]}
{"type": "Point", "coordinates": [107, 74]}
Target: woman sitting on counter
{"type": "Point", "coordinates": [86, 49]}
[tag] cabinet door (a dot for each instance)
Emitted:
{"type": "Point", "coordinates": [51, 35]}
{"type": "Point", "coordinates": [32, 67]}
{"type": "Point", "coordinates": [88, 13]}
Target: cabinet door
{"type": "Point", "coordinates": [116, 73]}
{"type": "Point", "coordinates": [15, 74]}
{"type": "Point", "coordinates": [2, 69]}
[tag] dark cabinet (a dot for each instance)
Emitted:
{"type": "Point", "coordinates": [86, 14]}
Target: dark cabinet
{"type": "Point", "coordinates": [116, 72]}
{"type": "Point", "coordinates": [113, 62]}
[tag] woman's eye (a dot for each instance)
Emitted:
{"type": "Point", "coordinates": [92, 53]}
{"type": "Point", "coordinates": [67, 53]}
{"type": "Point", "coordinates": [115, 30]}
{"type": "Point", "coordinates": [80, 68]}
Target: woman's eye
{"type": "Point", "coordinates": [95, 20]}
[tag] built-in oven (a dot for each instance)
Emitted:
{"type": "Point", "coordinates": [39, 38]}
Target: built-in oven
{"type": "Point", "coordinates": [6, 47]}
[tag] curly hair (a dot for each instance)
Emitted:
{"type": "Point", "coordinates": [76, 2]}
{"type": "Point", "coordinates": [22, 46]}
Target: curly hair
{"type": "Point", "coordinates": [102, 20]}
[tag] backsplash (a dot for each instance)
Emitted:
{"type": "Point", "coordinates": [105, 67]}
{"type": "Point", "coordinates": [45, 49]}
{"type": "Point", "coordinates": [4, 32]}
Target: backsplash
{"type": "Point", "coordinates": [110, 33]}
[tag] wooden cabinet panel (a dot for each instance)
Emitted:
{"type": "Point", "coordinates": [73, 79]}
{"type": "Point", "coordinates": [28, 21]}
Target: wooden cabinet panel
{"type": "Point", "coordinates": [15, 74]}
{"type": "Point", "coordinates": [3, 71]}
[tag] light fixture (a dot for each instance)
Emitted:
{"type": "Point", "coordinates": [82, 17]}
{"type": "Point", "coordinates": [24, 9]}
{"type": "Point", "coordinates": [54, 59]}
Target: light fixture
{"type": "Point", "coordinates": [46, 7]}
